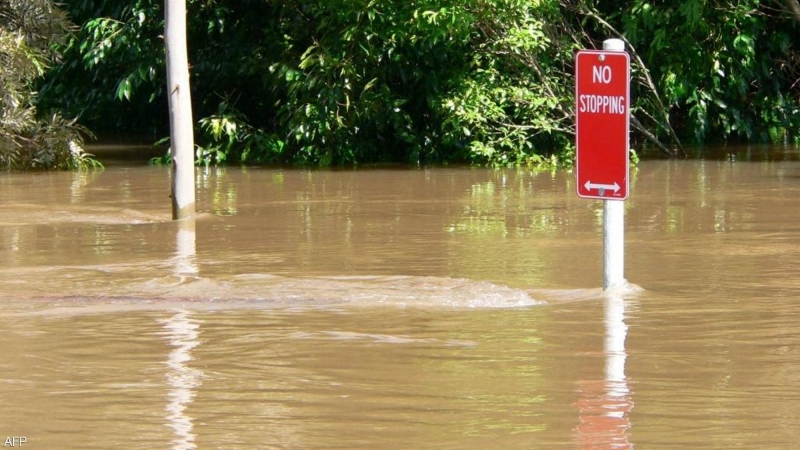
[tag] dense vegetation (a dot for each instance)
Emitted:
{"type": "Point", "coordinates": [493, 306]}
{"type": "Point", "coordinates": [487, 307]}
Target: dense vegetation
{"type": "Point", "coordinates": [485, 81]}
{"type": "Point", "coordinates": [27, 28]}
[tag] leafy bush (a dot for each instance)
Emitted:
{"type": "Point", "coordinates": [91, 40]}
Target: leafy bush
{"type": "Point", "coordinates": [728, 70]}
{"type": "Point", "coordinates": [321, 82]}
{"type": "Point", "coordinates": [27, 27]}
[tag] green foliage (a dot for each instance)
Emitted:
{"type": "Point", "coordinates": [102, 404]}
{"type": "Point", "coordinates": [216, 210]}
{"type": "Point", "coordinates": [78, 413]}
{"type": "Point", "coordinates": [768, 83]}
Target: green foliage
{"type": "Point", "coordinates": [362, 84]}
{"type": "Point", "coordinates": [427, 81]}
{"type": "Point", "coordinates": [321, 82]}
{"type": "Point", "coordinates": [728, 70]}
{"type": "Point", "coordinates": [27, 27]}
{"type": "Point", "coordinates": [229, 135]}
{"type": "Point", "coordinates": [327, 82]}
{"type": "Point", "coordinates": [512, 103]}
{"type": "Point", "coordinates": [116, 54]}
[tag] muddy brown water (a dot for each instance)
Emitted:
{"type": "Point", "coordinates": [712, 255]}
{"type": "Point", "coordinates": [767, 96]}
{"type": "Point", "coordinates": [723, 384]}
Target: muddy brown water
{"type": "Point", "coordinates": [448, 308]}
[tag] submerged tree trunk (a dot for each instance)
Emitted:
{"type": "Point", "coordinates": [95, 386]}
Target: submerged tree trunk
{"type": "Point", "coordinates": [180, 110]}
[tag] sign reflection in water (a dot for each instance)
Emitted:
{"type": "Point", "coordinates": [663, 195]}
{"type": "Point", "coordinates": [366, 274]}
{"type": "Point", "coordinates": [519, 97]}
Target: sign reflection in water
{"type": "Point", "coordinates": [605, 405]}
{"type": "Point", "coordinates": [182, 332]}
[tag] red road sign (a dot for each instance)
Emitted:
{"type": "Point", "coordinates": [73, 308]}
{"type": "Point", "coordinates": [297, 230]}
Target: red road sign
{"type": "Point", "coordinates": [602, 99]}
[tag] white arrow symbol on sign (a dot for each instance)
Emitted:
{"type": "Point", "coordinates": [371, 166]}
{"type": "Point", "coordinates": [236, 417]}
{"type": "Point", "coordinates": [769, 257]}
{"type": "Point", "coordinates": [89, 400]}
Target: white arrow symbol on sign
{"type": "Point", "coordinates": [611, 187]}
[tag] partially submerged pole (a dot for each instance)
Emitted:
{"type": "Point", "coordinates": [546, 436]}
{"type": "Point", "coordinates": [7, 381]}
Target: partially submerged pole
{"type": "Point", "coordinates": [186, 248]}
{"type": "Point", "coordinates": [614, 219]}
{"type": "Point", "coordinates": [613, 243]}
{"type": "Point", "coordinates": [181, 122]}
{"type": "Point", "coordinates": [602, 160]}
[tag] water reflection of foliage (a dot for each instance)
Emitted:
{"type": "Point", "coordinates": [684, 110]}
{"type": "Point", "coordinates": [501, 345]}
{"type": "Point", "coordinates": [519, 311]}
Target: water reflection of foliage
{"type": "Point", "coordinates": [214, 184]}
{"type": "Point", "coordinates": [80, 181]}
{"type": "Point", "coordinates": [692, 197]}
{"type": "Point", "coordinates": [697, 196]}
{"type": "Point", "coordinates": [511, 205]}
{"type": "Point", "coordinates": [501, 222]}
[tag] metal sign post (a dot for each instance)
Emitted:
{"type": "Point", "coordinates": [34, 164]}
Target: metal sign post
{"type": "Point", "coordinates": [602, 102]}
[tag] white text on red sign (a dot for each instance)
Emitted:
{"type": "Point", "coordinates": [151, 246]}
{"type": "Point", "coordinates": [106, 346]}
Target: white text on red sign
{"type": "Point", "coordinates": [601, 104]}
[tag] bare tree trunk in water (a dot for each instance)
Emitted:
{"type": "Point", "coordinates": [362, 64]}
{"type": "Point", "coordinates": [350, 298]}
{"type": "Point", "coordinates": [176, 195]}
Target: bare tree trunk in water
{"type": "Point", "coordinates": [181, 124]}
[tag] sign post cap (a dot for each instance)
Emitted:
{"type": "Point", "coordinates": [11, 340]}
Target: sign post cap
{"type": "Point", "coordinates": [614, 45]}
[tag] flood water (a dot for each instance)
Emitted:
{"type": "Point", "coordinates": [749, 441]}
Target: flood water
{"type": "Point", "coordinates": [452, 308]}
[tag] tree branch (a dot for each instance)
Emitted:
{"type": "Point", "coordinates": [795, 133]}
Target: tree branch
{"type": "Point", "coordinates": [651, 137]}
{"type": "Point", "coordinates": [648, 83]}
{"type": "Point", "coordinates": [794, 7]}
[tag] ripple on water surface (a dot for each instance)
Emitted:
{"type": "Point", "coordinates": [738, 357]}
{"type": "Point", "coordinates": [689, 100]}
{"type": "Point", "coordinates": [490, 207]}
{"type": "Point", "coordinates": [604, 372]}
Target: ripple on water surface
{"type": "Point", "coordinates": [100, 289]}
